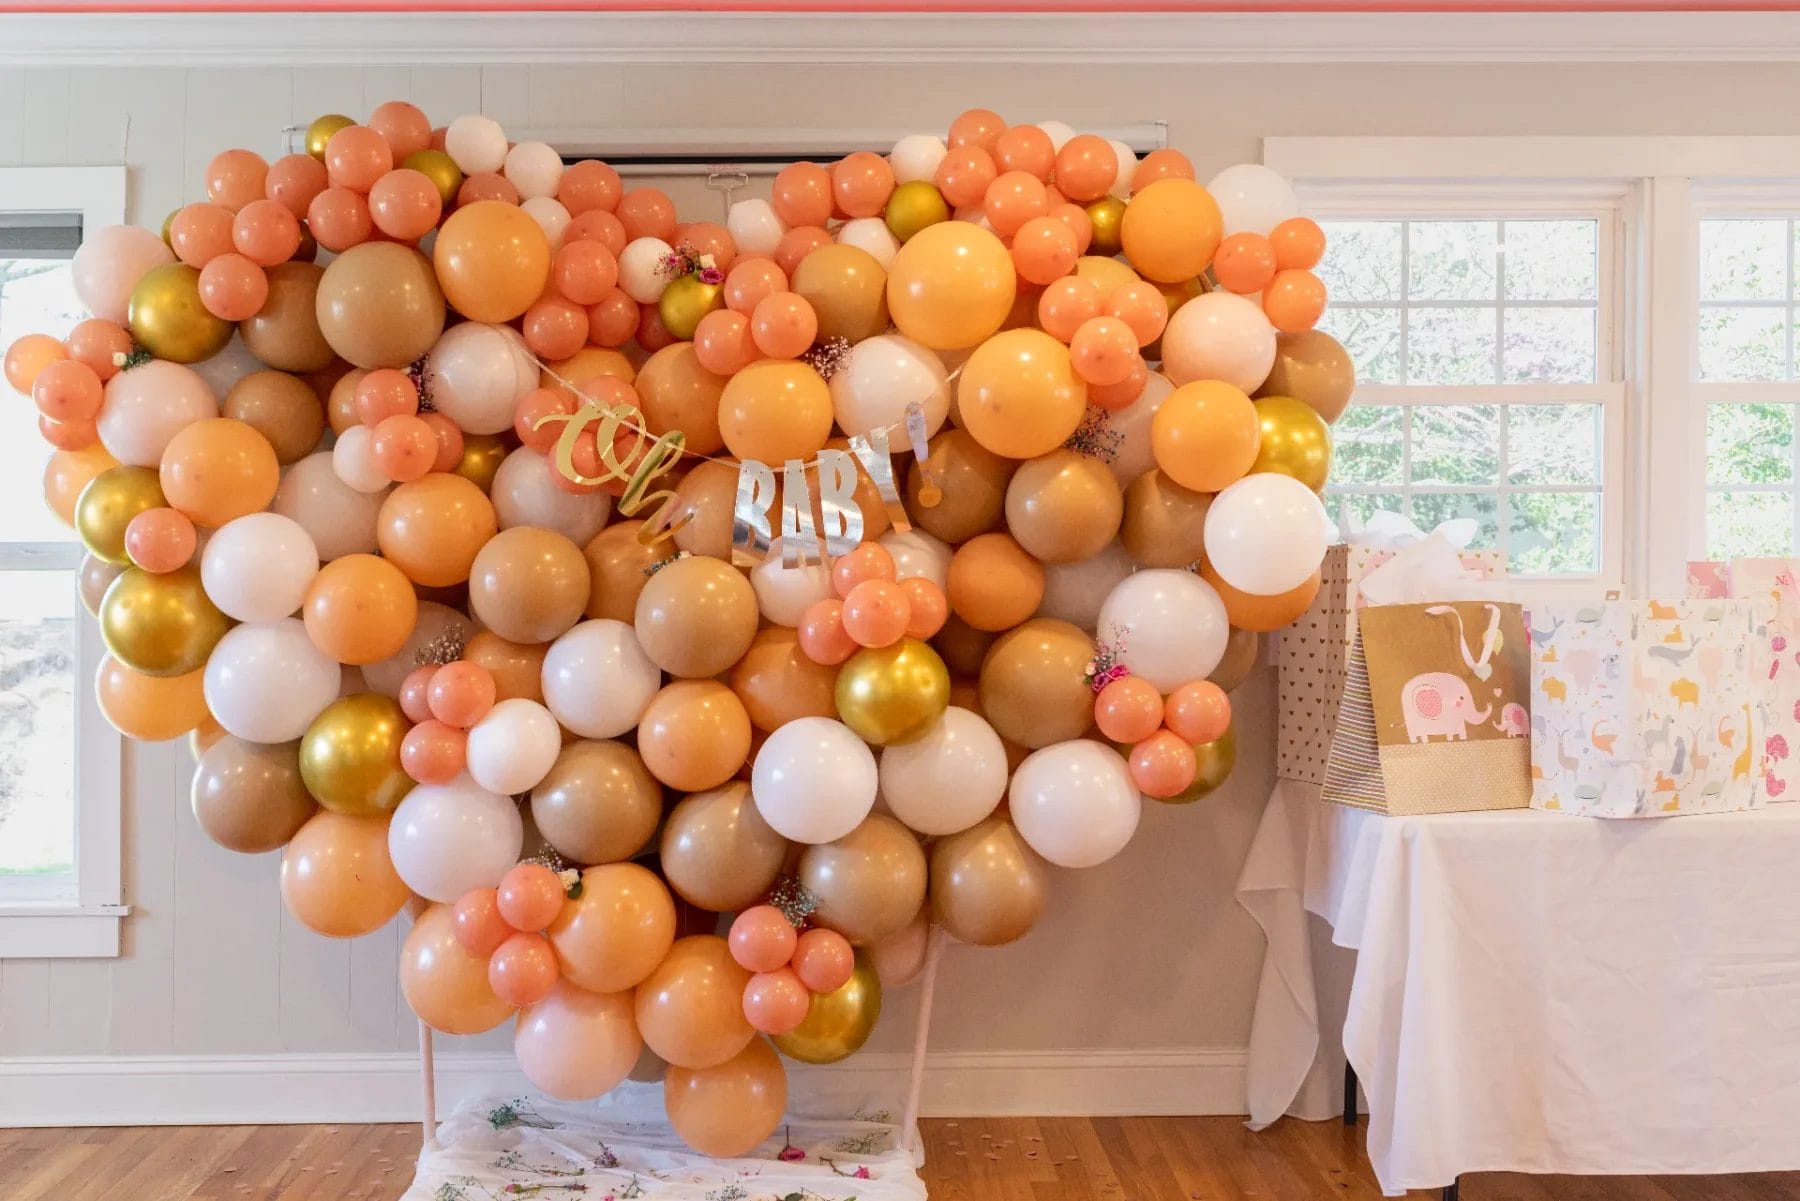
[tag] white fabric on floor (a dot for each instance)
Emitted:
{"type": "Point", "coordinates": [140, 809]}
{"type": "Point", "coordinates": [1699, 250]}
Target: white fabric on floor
{"type": "Point", "coordinates": [537, 1143]}
{"type": "Point", "coordinates": [1536, 992]}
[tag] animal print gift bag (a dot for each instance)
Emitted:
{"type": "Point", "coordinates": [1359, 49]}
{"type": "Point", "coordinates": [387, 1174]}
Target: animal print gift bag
{"type": "Point", "coordinates": [1434, 716]}
{"type": "Point", "coordinates": [1646, 708]}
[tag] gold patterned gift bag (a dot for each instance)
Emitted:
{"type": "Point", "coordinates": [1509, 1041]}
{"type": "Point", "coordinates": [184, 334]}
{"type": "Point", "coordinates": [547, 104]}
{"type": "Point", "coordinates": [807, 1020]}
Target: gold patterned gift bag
{"type": "Point", "coordinates": [1435, 714]}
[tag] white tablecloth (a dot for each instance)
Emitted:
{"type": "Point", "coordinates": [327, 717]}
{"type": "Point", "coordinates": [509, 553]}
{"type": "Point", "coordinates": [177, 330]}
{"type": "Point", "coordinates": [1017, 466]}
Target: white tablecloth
{"type": "Point", "coordinates": [1537, 992]}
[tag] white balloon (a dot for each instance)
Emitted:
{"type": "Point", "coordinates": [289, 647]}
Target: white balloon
{"type": "Point", "coordinates": [387, 675]}
{"type": "Point", "coordinates": [871, 234]}
{"type": "Point", "coordinates": [142, 409]}
{"type": "Point", "coordinates": [783, 594]}
{"type": "Point", "coordinates": [974, 214]}
{"type": "Point", "coordinates": [1128, 161]}
{"type": "Point", "coordinates": [1172, 623]}
{"type": "Point", "coordinates": [880, 377]}
{"type": "Point", "coordinates": [754, 226]}
{"type": "Point", "coordinates": [1059, 131]}
{"type": "Point", "coordinates": [918, 554]}
{"type": "Point", "coordinates": [478, 373]}
{"type": "Point", "coordinates": [551, 217]}
{"type": "Point", "coordinates": [266, 681]}
{"type": "Point", "coordinates": [1074, 803]}
{"type": "Point", "coordinates": [353, 459]}
{"type": "Point", "coordinates": [445, 839]}
{"type": "Point", "coordinates": [813, 780]}
{"type": "Point", "coordinates": [513, 747]}
{"type": "Point", "coordinates": [1253, 198]}
{"type": "Point", "coordinates": [477, 144]}
{"type": "Point", "coordinates": [109, 263]}
{"type": "Point", "coordinates": [1074, 592]}
{"type": "Point", "coordinates": [949, 779]}
{"type": "Point", "coordinates": [1266, 533]}
{"type": "Point", "coordinates": [1134, 455]}
{"type": "Point", "coordinates": [340, 520]}
{"type": "Point", "coordinates": [534, 168]}
{"type": "Point", "coordinates": [257, 567]}
{"type": "Point", "coordinates": [641, 269]}
{"type": "Point", "coordinates": [525, 493]}
{"type": "Point", "coordinates": [1219, 336]}
{"type": "Point", "coordinates": [916, 156]}
{"type": "Point", "coordinates": [225, 369]}
{"type": "Point", "coordinates": [597, 679]}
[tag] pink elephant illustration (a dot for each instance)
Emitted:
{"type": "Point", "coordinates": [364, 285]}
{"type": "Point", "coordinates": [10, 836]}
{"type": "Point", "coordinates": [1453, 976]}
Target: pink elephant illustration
{"type": "Point", "coordinates": [1436, 702]}
{"type": "Point", "coordinates": [1512, 721]}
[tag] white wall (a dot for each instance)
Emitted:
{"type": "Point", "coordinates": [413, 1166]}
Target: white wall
{"type": "Point", "coordinates": [1146, 953]}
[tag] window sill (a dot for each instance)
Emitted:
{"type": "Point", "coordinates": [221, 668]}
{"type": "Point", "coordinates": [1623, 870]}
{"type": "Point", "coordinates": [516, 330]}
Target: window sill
{"type": "Point", "coordinates": [60, 931]}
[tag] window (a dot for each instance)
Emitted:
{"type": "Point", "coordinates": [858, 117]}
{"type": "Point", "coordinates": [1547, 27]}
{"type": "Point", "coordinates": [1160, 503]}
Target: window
{"type": "Point", "coordinates": [59, 810]}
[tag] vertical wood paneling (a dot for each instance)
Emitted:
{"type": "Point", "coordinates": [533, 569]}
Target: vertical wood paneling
{"type": "Point", "coordinates": [24, 1006]}
{"type": "Point", "coordinates": [45, 111]}
{"type": "Point", "coordinates": [12, 116]}
{"type": "Point", "coordinates": [446, 93]}
{"type": "Point", "coordinates": [506, 95]}
{"type": "Point", "coordinates": [381, 84]}
{"type": "Point", "coordinates": [143, 977]}
{"type": "Point", "coordinates": [320, 90]}
{"type": "Point", "coordinates": [374, 989]}
{"type": "Point", "coordinates": [314, 999]}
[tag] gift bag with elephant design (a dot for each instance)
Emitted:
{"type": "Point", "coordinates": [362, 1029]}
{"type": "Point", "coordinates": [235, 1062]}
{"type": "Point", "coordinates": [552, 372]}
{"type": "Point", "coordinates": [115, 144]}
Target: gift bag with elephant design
{"type": "Point", "coordinates": [1646, 708]}
{"type": "Point", "coordinates": [1434, 717]}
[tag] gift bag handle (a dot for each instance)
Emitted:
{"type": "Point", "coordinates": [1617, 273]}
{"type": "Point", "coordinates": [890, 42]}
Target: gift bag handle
{"type": "Point", "coordinates": [1481, 664]}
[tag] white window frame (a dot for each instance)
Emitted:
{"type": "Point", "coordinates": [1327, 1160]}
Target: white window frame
{"type": "Point", "coordinates": [87, 924]}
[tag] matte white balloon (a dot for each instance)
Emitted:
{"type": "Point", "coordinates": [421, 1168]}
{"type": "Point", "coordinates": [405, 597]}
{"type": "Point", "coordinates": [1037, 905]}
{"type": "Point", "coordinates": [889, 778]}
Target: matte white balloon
{"type": "Point", "coordinates": [477, 144]}
{"type": "Point", "coordinates": [514, 746]}
{"type": "Point", "coordinates": [109, 263]}
{"type": "Point", "coordinates": [916, 156]}
{"type": "Point", "coordinates": [225, 369]}
{"type": "Point", "coordinates": [949, 779]}
{"type": "Point", "coordinates": [266, 681]}
{"type": "Point", "coordinates": [257, 567]}
{"type": "Point", "coordinates": [435, 620]}
{"type": "Point", "coordinates": [353, 459]}
{"type": "Point", "coordinates": [1253, 198]}
{"type": "Point", "coordinates": [550, 216]}
{"type": "Point", "coordinates": [1172, 623]}
{"type": "Point", "coordinates": [339, 519]}
{"type": "Point", "coordinates": [1060, 132]}
{"type": "Point", "coordinates": [597, 679]}
{"type": "Point", "coordinates": [525, 493]}
{"type": "Point", "coordinates": [754, 227]}
{"type": "Point", "coordinates": [1074, 592]}
{"type": "Point", "coordinates": [1128, 161]}
{"type": "Point", "coordinates": [1074, 803]}
{"type": "Point", "coordinates": [142, 409]}
{"type": "Point", "coordinates": [783, 594]}
{"type": "Point", "coordinates": [918, 555]}
{"type": "Point", "coordinates": [1219, 336]}
{"type": "Point", "coordinates": [445, 839]}
{"type": "Point", "coordinates": [535, 168]}
{"type": "Point", "coordinates": [641, 269]}
{"type": "Point", "coordinates": [814, 780]}
{"type": "Point", "coordinates": [872, 235]}
{"type": "Point", "coordinates": [1132, 424]}
{"type": "Point", "coordinates": [478, 373]}
{"type": "Point", "coordinates": [880, 377]}
{"type": "Point", "coordinates": [1266, 533]}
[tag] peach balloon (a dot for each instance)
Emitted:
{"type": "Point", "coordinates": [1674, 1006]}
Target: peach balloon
{"type": "Point", "coordinates": [690, 1010]}
{"type": "Point", "coordinates": [824, 960]}
{"type": "Point", "coordinates": [415, 693]}
{"type": "Point", "coordinates": [617, 931]}
{"type": "Point", "coordinates": [160, 540]}
{"type": "Point", "coordinates": [434, 753]}
{"type": "Point", "coordinates": [822, 635]}
{"type": "Point", "coordinates": [876, 613]}
{"type": "Point", "coordinates": [646, 213]}
{"type": "Point", "coordinates": [200, 233]}
{"type": "Point", "coordinates": [694, 735]}
{"type": "Point", "coordinates": [994, 585]}
{"type": "Point", "coordinates": [1120, 395]}
{"type": "Point", "coordinates": [433, 528]}
{"type": "Point", "coordinates": [1205, 435]}
{"type": "Point", "coordinates": [773, 411]}
{"type": "Point", "coordinates": [492, 260]}
{"type": "Point", "coordinates": [461, 693]}
{"type": "Point", "coordinates": [339, 219]}
{"type": "Point", "coordinates": [234, 178]}
{"type": "Point", "coordinates": [1079, 223]}
{"type": "Point", "coordinates": [728, 1110]}
{"type": "Point", "coordinates": [405, 204]}
{"type": "Point", "coordinates": [476, 921]}
{"type": "Point", "coordinates": [487, 185]}
{"type": "Point", "coordinates": [867, 561]}
{"type": "Point", "coordinates": [28, 356]}
{"type": "Point", "coordinates": [69, 471]}
{"type": "Point", "coordinates": [1163, 765]}
{"type": "Point", "coordinates": [1298, 244]}
{"type": "Point", "coordinates": [576, 1044]}
{"type": "Point", "coordinates": [802, 194]}
{"type": "Point", "coordinates": [217, 469]}
{"type": "Point", "coordinates": [861, 183]}
{"type": "Point", "coordinates": [783, 325]}
{"type": "Point", "coordinates": [150, 708]}
{"type": "Point", "coordinates": [1129, 709]}
{"type": "Point", "coordinates": [522, 970]}
{"type": "Point", "coordinates": [964, 175]}
{"type": "Point", "coordinates": [360, 609]}
{"type": "Point", "coordinates": [762, 939]}
{"type": "Point", "coordinates": [776, 1001]}
{"type": "Point", "coordinates": [233, 288]}
{"type": "Point", "coordinates": [442, 981]}
{"type": "Point", "coordinates": [613, 320]}
{"type": "Point", "coordinates": [711, 238]}
{"type": "Point", "coordinates": [293, 180]}
{"type": "Point", "coordinates": [337, 879]}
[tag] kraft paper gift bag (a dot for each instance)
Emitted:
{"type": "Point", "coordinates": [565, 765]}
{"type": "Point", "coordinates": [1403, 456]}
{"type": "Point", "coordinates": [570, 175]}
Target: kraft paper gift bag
{"type": "Point", "coordinates": [1775, 669]}
{"type": "Point", "coordinates": [1646, 708]}
{"type": "Point", "coordinates": [1434, 717]}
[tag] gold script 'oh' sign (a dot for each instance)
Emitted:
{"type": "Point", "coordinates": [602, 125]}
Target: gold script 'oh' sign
{"type": "Point", "coordinates": [638, 467]}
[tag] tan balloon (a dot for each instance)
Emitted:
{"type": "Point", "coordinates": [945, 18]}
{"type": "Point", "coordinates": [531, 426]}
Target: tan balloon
{"type": "Point", "coordinates": [615, 933]}
{"type": "Point", "coordinates": [1164, 522]}
{"type": "Point", "coordinates": [446, 984]}
{"type": "Point", "coordinates": [970, 487]}
{"type": "Point", "coordinates": [870, 883]}
{"type": "Point", "coordinates": [340, 401]}
{"type": "Point", "coordinates": [703, 506]}
{"type": "Point", "coordinates": [987, 886]}
{"type": "Point", "coordinates": [1063, 507]}
{"type": "Point", "coordinates": [728, 1110]}
{"type": "Point", "coordinates": [717, 851]}
{"type": "Point", "coordinates": [248, 796]}
{"type": "Point", "coordinates": [690, 1010]}
{"type": "Point", "coordinates": [282, 408]}
{"type": "Point", "coordinates": [847, 288]}
{"type": "Point", "coordinates": [517, 667]}
{"type": "Point", "coordinates": [962, 647]}
{"type": "Point", "coordinates": [528, 584]}
{"type": "Point", "coordinates": [694, 735]}
{"type": "Point", "coordinates": [677, 393]}
{"type": "Point", "coordinates": [1033, 688]}
{"type": "Point", "coordinates": [1314, 367]}
{"type": "Point", "coordinates": [617, 559]}
{"type": "Point", "coordinates": [696, 617]}
{"type": "Point", "coordinates": [994, 584]}
{"type": "Point", "coordinates": [285, 332]}
{"type": "Point", "coordinates": [599, 804]}
{"type": "Point", "coordinates": [93, 578]}
{"type": "Point", "coordinates": [379, 305]}
{"type": "Point", "coordinates": [1242, 649]}
{"type": "Point", "coordinates": [778, 683]}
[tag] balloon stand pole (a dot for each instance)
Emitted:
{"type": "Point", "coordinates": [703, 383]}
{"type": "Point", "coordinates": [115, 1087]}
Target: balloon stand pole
{"type": "Point", "coordinates": [428, 1091]}
{"type": "Point", "coordinates": [915, 1085]}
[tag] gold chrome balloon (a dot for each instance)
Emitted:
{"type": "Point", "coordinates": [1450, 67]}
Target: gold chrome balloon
{"type": "Point", "coordinates": [1106, 215]}
{"type": "Point", "coordinates": [893, 694]}
{"type": "Point", "coordinates": [1296, 441]}
{"type": "Point", "coordinates": [168, 320]}
{"type": "Point", "coordinates": [481, 459]}
{"type": "Point", "coordinates": [161, 624]}
{"type": "Point", "coordinates": [320, 131]}
{"type": "Point", "coordinates": [1177, 294]}
{"type": "Point", "coordinates": [440, 169]}
{"type": "Point", "coordinates": [685, 301]}
{"type": "Point", "coordinates": [914, 205]}
{"type": "Point", "coordinates": [1216, 759]}
{"type": "Point", "coordinates": [350, 755]}
{"type": "Point", "coordinates": [107, 505]}
{"type": "Point", "coordinates": [838, 1023]}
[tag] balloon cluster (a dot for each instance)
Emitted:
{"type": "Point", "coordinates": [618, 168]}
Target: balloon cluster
{"type": "Point", "coordinates": [412, 474]}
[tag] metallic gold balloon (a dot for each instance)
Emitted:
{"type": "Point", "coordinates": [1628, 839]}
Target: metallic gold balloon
{"type": "Point", "coordinates": [913, 206]}
{"type": "Point", "coordinates": [481, 459]}
{"type": "Point", "coordinates": [440, 169]}
{"type": "Point", "coordinates": [107, 505]}
{"type": "Point", "coordinates": [168, 320]}
{"type": "Point", "coordinates": [838, 1023]}
{"type": "Point", "coordinates": [685, 301]}
{"type": "Point", "coordinates": [168, 222]}
{"type": "Point", "coordinates": [320, 131]}
{"type": "Point", "coordinates": [161, 624]}
{"type": "Point", "coordinates": [1177, 294]}
{"type": "Point", "coordinates": [1106, 215]}
{"type": "Point", "coordinates": [1295, 441]}
{"type": "Point", "coordinates": [893, 694]}
{"type": "Point", "coordinates": [350, 755]}
{"type": "Point", "coordinates": [1216, 759]}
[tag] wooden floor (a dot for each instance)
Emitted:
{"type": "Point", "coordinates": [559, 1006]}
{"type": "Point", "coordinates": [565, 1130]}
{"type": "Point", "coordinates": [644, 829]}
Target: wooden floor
{"type": "Point", "coordinates": [1009, 1159]}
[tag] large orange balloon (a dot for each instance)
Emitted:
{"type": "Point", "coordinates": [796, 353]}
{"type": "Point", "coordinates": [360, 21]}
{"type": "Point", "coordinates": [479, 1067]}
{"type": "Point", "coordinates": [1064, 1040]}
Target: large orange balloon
{"type": "Point", "coordinates": [492, 260]}
{"type": "Point", "coordinates": [1171, 230]}
{"type": "Point", "coordinates": [994, 584]}
{"type": "Point", "coordinates": [778, 683]}
{"type": "Point", "coordinates": [951, 285]}
{"type": "Point", "coordinates": [433, 527]}
{"type": "Point", "coordinates": [149, 708]}
{"type": "Point", "coordinates": [726, 1111]}
{"type": "Point", "coordinates": [336, 877]}
{"type": "Point", "coordinates": [1258, 613]}
{"type": "Point", "coordinates": [694, 735]}
{"type": "Point", "coordinates": [615, 933]}
{"type": "Point", "coordinates": [691, 1008]}
{"type": "Point", "coordinates": [1206, 435]}
{"type": "Point", "coordinates": [1018, 395]}
{"type": "Point", "coordinates": [444, 982]}
{"type": "Point", "coordinates": [218, 469]}
{"type": "Point", "coordinates": [775, 410]}
{"type": "Point", "coordinates": [679, 394]}
{"type": "Point", "coordinates": [360, 609]}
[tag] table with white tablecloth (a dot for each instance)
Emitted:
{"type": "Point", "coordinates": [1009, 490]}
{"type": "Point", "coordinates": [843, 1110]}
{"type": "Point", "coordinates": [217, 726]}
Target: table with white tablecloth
{"type": "Point", "coordinates": [1536, 992]}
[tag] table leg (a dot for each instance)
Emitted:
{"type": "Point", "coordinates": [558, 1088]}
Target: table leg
{"type": "Point", "coordinates": [1349, 1094]}
{"type": "Point", "coordinates": [915, 1085]}
{"type": "Point", "coordinates": [1450, 1192]}
{"type": "Point", "coordinates": [428, 1092]}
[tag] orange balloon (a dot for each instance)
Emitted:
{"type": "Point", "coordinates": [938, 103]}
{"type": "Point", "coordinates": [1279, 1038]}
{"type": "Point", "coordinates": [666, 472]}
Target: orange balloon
{"type": "Point", "coordinates": [1298, 244]}
{"type": "Point", "coordinates": [433, 528]}
{"type": "Point", "coordinates": [801, 194]}
{"type": "Point", "coordinates": [360, 609]}
{"type": "Point", "coordinates": [677, 392]}
{"type": "Point", "coordinates": [1129, 709]}
{"type": "Point", "coordinates": [1294, 300]}
{"type": "Point", "coordinates": [691, 1008]}
{"type": "Point", "coordinates": [728, 1110]}
{"type": "Point", "coordinates": [694, 735]}
{"type": "Point", "coordinates": [1160, 164]}
{"type": "Point", "coordinates": [1163, 765]}
{"type": "Point", "coordinates": [445, 984]}
{"type": "Point", "coordinates": [783, 325]}
{"type": "Point", "coordinates": [1025, 148]}
{"type": "Point", "coordinates": [492, 260]}
{"type": "Point", "coordinates": [616, 932]}
{"type": "Point", "coordinates": [1086, 167]}
{"type": "Point", "coordinates": [218, 469]}
{"type": "Point", "coordinates": [29, 355]}
{"type": "Point", "coordinates": [1245, 263]}
{"type": "Point", "coordinates": [977, 127]}
{"type": "Point", "coordinates": [337, 879]}
{"type": "Point", "coordinates": [964, 174]}
{"type": "Point", "coordinates": [1171, 230]}
{"type": "Point", "coordinates": [951, 285]}
{"type": "Point", "coordinates": [1205, 435]}
{"type": "Point", "coordinates": [773, 411]}
{"type": "Point", "coordinates": [1018, 394]}
{"type": "Point", "coordinates": [1248, 611]}
{"type": "Point", "coordinates": [993, 583]}
{"type": "Point", "coordinates": [149, 708]}
{"type": "Point", "coordinates": [68, 472]}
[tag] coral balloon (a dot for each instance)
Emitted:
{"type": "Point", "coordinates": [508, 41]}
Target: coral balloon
{"type": "Point", "coordinates": [822, 634]}
{"type": "Point", "coordinates": [1294, 300]}
{"type": "Point", "coordinates": [523, 969]}
{"type": "Point", "coordinates": [1245, 263]}
{"type": "Point", "coordinates": [530, 896]}
{"type": "Point", "coordinates": [1298, 244]}
{"type": "Point", "coordinates": [1129, 710]}
{"type": "Point", "coordinates": [1163, 765]}
{"type": "Point", "coordinates": [776, 1001]}
{"type": "Point", "coordinates": [762, 939]}
{"type": "Point", "coordinates": [160, 540]}
{"type": "Point", "coordinates": [824, 960]}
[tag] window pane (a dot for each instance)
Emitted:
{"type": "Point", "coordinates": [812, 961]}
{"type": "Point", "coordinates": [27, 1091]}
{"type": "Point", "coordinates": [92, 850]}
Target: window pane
{"type": "Point", "coordinates": [1749, 524]}
{"type": "Point", "coordinates": [1456, 444]}
{"type": "Point", "coordinates": [1362, 260]}
{"type": "Point", "coordinates": [1369, 442]}
{"type": "Point", "coordinates": [1451, 260]}
{"type": "Point", "coordinates": [1450, 346]}
{"type": "Point", "coordinates": [1360, 505]}
{"type": "Point", "coordinates": [1551, 260]}
{"type": "Point", "coordinates": [1743, 259]}
{"type": "Point", "coordinates": [1553, 531]}
{"type": "Point", "coordinates": [1749, 444]}
{"type": "Point", "coordinates": [1743, 344]}
{"type": "Point", "coordinates": [1553, 444]}
{"type": "Point", "coordinates": [1549, 346]}
{"type": "Point", "coordinates": [36, 296]}
{"type": "Point", "coordinates": [1429, 509]}
{"type": "Point", "coordinates": [1372, 338]}
{"type": "Point", "coordinates": [37, 723]}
